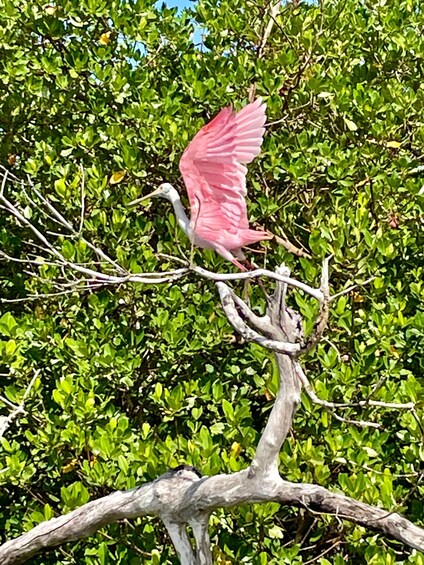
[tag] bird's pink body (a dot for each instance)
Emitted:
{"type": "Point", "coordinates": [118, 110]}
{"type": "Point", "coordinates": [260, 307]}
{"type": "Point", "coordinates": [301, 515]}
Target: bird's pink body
{"type": "Point", "coordinates": [214, 172]}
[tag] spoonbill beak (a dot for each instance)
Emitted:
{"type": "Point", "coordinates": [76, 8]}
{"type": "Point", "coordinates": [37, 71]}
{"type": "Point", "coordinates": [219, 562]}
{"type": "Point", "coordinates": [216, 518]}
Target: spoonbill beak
{"type": "Point", "coordinates": [156, 192]}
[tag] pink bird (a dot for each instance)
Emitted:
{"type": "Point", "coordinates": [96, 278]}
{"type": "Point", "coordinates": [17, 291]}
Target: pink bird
{"type": "Point", "coordinates": [214, 172]}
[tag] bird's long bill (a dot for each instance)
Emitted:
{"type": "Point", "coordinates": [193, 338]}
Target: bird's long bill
{"type": "Point", "coordinates": [154, 193]}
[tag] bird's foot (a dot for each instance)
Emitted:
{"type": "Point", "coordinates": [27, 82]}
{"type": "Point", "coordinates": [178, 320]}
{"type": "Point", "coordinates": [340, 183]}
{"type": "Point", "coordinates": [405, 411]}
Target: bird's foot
{"type": "Point", "coordinates": [249, 265]}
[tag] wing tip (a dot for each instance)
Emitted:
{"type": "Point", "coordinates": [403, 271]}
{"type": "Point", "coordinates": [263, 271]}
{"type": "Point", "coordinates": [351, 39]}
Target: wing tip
{"type": "Point", "coordinates": [253, 111]}
{"type": "Point", "coordinates": [259, 103]}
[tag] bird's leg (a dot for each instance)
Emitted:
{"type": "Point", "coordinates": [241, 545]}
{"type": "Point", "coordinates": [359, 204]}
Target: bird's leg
{"type": "Point", "coordinates": [239, 265]}
{"type": "Point", "coordinates": [246, 287]}
{"type": "Point", "coordinates": [247, 282]}
{"type": "Point", "coordinates": [191, 255]}
{"type": "Point", "coordinates": [250, 266]}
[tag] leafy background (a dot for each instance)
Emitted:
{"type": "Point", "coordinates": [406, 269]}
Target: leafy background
{"type": "Point", "coordinates": [137, 379]}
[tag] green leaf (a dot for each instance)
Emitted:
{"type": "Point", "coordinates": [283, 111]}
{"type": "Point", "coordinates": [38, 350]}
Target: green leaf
{"type": "Point", "coordinates": [8, 324]}
{"type": "Point", "coordinates": [350, 124]}
{"type": "Point", "coordinates": [228, 410]}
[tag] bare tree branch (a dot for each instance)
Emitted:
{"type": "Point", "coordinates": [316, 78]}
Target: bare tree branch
{"type": "Point", "coordinates": [200, 526]}
{"type": "Point", "coordinates": [291, 248]}
{"type": "Point", "coordinates": [178, 534]}
{"type": "Point", "coordinates": [273, 13]}
{"type": "Point", "coordinates": [81, 224]}
{"type": "Point", "coordinates": [218, 277]}
{"type": "Point", "coordinates": [321, 322]}
{"type": "Point", "coordinates": [359, 404]}
{"type": "Point", "coordinates": [287, 400]}
{"type": "Point", "coordinates": [350, 288]}
{"type": "Point", "coordinates": [6, 421]}
{"type": "Point", "coordinates": [207, 494]}
{"type": "Point", "coordinates": [274, 10]}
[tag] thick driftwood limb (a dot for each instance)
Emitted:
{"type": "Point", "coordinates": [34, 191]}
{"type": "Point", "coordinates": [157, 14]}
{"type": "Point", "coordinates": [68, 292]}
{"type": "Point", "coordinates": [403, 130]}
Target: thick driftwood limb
{"type": "Point", "coordinates": [319, 499]}
{"type": "Point", "coordinates": [80, 523]}
{"type": "Point", "coordinates": [285, 328]}
{"type": "Point", "coordinates": [205, 495]}
{"type": "Point", "coordinates": [280, 420]}
{"type": "Point", "coordinates": [200, 526]}
{"type": "Point", "coordinates": [178, 534]}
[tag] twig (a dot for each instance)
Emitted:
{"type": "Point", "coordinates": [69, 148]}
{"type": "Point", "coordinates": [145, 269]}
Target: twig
{"type": "Point", "coordinates": [274, 11]}
{"type": "Point", "coordinates": [64, 222]}
{"type": "Point", "coordinates": [3, 184]}
{"type": "Point", "coordinates": [359, 423]}
{"type": "Point", "coordinates": [322, 319]}
{"type": "Point", "coordinates": [394, 475]}
{"type": "Point", "coordinates": [291, 248]}
{"type": "Point", "coordinates": [82, 201]}
{"type": "Point", "coordinates": [335, 544]}
{"type": "Point", "coordinates": [57, 217]}
{"type": "Point", "coordinates": [6, 421]}
{"type": "Point", "coordinates": [350, 288]}
{"type": "Point", "coordinates": [5, 401]}
{"type": "Point", "coordinates": [343, 405]}
{"type": "Point", "coordinates": [42, 295]}
{"type": "Point", "coordinates": [331, 344]}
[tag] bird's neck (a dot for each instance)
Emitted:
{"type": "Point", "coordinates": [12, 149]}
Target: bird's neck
{"type": "Point", "coordinates": [180, 214]}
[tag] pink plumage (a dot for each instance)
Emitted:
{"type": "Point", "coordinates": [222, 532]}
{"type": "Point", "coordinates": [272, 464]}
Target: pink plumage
{"type": "Point", "coordinates": [214, 172]}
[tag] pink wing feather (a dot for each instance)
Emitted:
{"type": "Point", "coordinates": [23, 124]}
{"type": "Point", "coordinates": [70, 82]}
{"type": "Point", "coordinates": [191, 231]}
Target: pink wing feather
{"type": "Point", "coordinates": [215, 176]}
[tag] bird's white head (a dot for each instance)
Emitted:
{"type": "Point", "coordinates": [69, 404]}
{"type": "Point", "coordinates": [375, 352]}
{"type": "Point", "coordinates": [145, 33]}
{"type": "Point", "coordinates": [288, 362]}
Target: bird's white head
{"type": "Point", "coordinates": [165, 190]}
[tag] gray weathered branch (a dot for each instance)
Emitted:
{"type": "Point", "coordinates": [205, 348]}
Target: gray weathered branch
{"type": "Point", "coordinates": [205, 495]}
{"type": "Point", "coordinates": [285, 327]}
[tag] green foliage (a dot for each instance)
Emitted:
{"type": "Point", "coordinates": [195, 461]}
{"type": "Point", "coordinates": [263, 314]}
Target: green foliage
{"type": "Point", "coordinates": [137, 379]}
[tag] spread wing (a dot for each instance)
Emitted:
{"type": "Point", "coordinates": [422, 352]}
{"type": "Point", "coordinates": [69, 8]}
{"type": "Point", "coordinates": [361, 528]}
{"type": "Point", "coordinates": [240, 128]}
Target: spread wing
{"type": "Point", "coordinates": [214, 173]}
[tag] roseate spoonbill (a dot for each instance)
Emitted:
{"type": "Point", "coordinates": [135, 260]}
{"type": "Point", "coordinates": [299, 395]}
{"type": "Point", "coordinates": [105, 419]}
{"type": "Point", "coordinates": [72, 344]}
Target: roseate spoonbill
{"type": "Point", "coordinates": [214, 172]}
